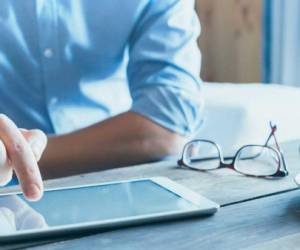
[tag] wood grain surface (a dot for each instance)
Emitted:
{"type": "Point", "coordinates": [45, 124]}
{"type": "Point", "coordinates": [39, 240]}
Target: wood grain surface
{"type": "Point", "coordinates": [290, 242]}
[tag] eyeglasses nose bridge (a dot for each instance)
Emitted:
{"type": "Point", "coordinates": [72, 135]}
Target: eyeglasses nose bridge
{"type": "Point", "coordinates": [227, 165]}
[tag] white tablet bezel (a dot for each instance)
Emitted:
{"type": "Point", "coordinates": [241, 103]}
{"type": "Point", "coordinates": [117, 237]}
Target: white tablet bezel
{"type": "Point", "coordinates": [204, 207]}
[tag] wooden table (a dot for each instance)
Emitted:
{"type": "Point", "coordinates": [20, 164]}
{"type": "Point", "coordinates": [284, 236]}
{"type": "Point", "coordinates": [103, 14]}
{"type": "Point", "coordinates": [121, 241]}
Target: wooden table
{"type": "Point", "coordinates": [255, 213]}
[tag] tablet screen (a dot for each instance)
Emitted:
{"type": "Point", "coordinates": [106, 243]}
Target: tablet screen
{"type": "Point", "coordinates": [87, 204]}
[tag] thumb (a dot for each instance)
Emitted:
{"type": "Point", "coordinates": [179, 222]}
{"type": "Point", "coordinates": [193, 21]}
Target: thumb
{"type": "Point", "coordinates": [6, 171]}
{"type": "Point", "coordinates": [37, 141]}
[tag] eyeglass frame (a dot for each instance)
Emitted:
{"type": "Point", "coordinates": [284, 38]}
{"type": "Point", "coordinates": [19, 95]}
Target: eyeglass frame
{"type": "Point", "coordinates": [231, 165]}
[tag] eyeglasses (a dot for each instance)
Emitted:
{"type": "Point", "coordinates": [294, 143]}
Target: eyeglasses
{"type": "Point", "coordinates": [250, 160]}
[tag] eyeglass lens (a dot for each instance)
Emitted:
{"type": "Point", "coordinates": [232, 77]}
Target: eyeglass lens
{"type": "Point", "coordinates": [250, 160]}
{"type": "Point", "coordinates": [257, 160]}
{"type": "Point", "coordinates": [202, 155]}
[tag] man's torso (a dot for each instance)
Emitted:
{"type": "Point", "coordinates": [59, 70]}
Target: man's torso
{"type": "Point", "coordinates": [63, 63]}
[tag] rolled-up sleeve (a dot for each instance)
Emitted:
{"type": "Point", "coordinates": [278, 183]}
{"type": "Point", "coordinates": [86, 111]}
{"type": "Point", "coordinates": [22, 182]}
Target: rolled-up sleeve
{"type": "Point", "coordinates": [164, 66]}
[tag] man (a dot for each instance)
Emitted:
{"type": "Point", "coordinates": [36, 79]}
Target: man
{"type": "Point", "coordinates": [112, 83]}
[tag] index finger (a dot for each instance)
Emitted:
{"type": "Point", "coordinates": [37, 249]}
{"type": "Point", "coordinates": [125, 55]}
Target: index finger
{"type": "Point", "coordinates": [22, 159]}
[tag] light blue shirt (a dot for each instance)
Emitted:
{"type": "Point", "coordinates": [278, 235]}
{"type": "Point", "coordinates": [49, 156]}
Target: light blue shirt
{"type": "Point", "coordinates": [67, 64]}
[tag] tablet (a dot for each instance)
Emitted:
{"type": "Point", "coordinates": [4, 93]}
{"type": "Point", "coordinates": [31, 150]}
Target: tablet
{"type": "Point", "coordinates": [98, 207]}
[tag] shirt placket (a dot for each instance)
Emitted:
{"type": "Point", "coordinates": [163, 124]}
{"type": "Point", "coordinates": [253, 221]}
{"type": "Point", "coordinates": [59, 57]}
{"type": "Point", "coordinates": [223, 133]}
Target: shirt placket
{"type": "Point", "coordinates": [48, 40]}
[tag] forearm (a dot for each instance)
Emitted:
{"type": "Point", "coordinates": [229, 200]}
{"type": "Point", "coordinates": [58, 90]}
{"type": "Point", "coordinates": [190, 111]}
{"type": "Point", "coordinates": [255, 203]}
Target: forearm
{"type": "Point", "coordinates": [122, 140]}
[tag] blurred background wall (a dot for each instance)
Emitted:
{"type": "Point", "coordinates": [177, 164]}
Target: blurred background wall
{"type": "Point", "coordinates": [231, 40]}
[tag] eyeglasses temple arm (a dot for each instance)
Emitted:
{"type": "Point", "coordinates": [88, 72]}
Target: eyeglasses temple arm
{"type": "Point", "coordinates": [273, 131]}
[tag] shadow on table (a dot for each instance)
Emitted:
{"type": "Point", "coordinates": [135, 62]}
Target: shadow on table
{"type": "Point", "coordinates": [293, 208]}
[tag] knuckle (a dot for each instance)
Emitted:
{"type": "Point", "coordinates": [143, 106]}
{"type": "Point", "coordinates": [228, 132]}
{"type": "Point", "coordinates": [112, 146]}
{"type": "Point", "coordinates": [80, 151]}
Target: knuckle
{"type": "Point", "coordinates": [27, 174]}
{"type": "Point", "coordinates": [17, 148]}
{"type": "Point", "coordinates": [30, 172]}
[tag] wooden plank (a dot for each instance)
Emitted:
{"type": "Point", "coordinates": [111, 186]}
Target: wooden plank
{"type": "Point", "coordinates": [290, 242]}
{"type": "Point", "coordinates": [231, 40]}
{"type": "Point", "coordinates": [223, 186]}
{"type": "Point", "coordinates": [248, 40]}
{"type": "Point", "coordinates": [234, 227]}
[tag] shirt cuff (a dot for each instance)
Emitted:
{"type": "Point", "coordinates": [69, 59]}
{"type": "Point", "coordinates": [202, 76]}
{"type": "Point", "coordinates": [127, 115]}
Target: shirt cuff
{"type": "Point", "coordinates": [175, 109]}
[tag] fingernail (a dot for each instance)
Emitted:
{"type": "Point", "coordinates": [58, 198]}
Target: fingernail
{"type": "Point", "coordinates": [33, 192]}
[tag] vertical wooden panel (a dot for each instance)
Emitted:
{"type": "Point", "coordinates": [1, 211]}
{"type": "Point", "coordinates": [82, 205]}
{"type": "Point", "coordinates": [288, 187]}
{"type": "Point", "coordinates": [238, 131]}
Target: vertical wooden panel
{"type": "Point", "coordinates": [231, 40]}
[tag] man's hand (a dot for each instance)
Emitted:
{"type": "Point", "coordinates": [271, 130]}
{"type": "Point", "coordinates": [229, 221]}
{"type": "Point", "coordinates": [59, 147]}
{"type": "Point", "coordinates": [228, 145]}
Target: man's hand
{"type": "Point", "coordinates": [20, 150]}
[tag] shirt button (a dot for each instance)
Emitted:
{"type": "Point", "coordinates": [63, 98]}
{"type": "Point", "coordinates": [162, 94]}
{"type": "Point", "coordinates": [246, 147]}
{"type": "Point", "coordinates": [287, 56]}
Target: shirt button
{"type": "Point", "coordinates": [48, 53]}
{"type": "Point", "coordinates": [53, 100]}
